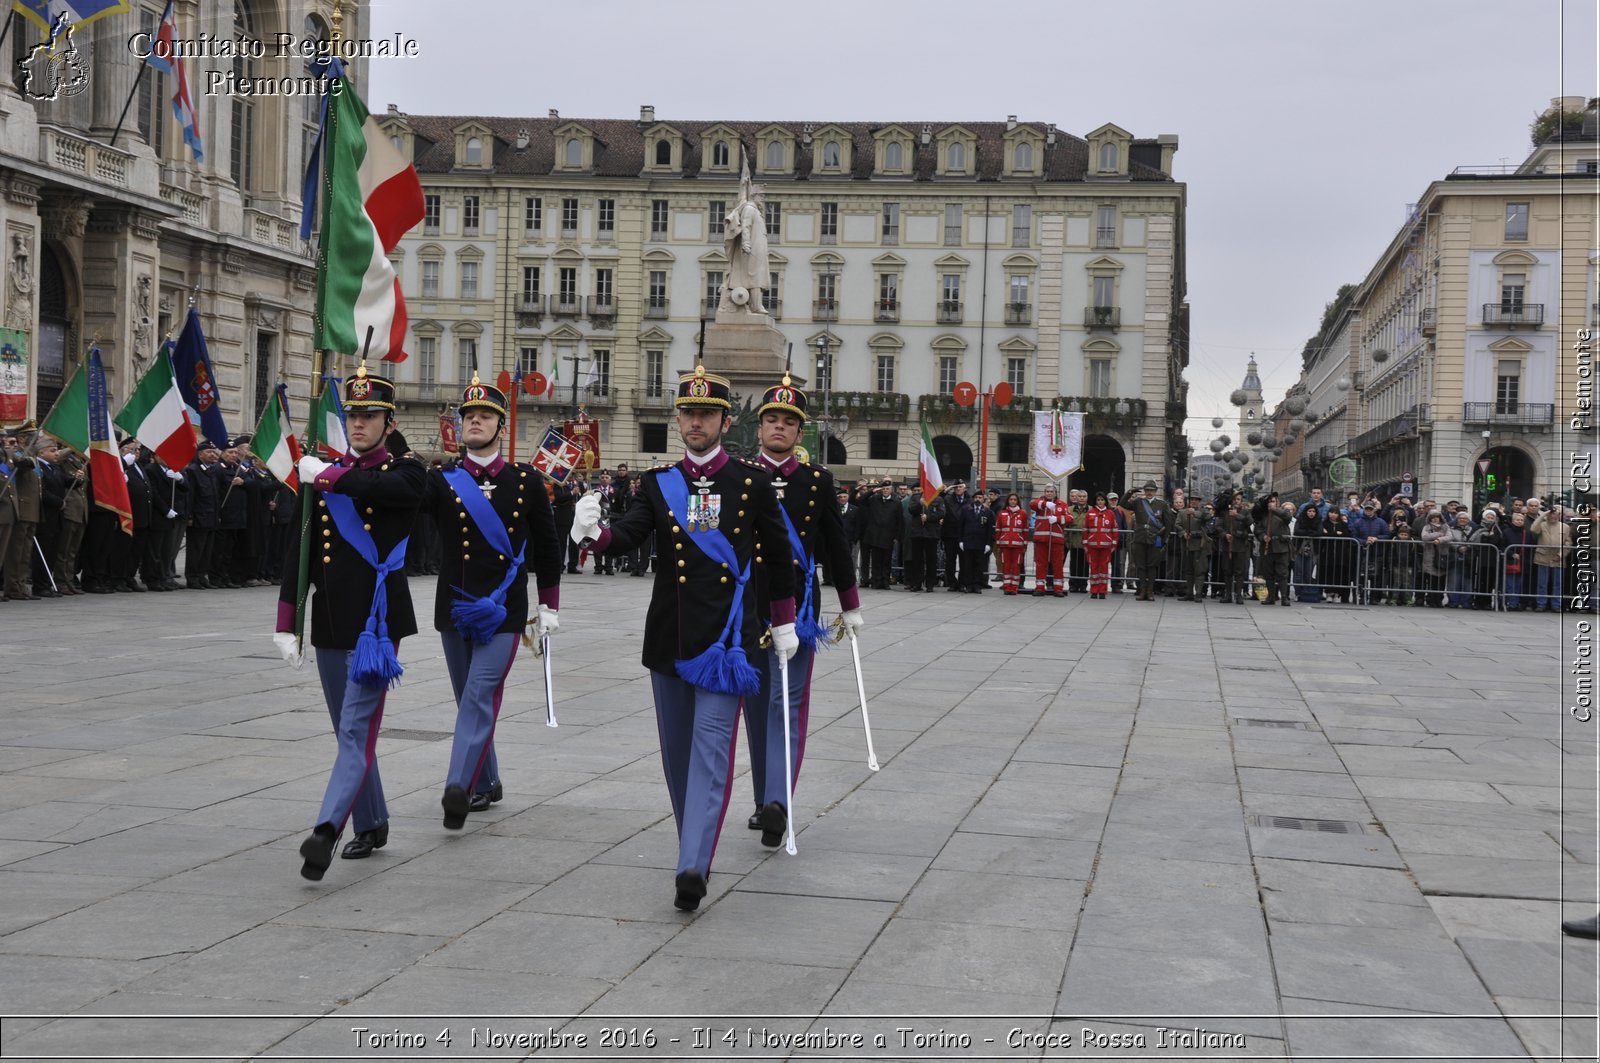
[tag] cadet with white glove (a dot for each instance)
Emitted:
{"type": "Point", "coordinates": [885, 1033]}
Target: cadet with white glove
{"type": "Point", "coordinates": [496, 525]}
{"type": "Point", "coordinates": [707, 512]}
{"type": "Point", "coordinates": [815, 532]}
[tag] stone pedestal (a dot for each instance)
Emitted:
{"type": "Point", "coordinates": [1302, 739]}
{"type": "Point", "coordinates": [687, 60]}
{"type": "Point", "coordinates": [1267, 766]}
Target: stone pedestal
{"type": "Point", "coordinates": [749, 351]}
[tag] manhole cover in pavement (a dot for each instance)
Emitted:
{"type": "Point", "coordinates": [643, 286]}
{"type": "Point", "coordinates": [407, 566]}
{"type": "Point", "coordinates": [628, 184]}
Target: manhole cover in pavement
{"type": "Point", "coordinates": [1295, 725]}
{"type": "Point", "coordinates": [416, 736]}
{"type": "Point", "coordinates": [1320, 826]}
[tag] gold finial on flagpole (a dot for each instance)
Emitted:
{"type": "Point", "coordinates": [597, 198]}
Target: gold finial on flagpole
{"type": "Point", "coordinates": [336, 31]}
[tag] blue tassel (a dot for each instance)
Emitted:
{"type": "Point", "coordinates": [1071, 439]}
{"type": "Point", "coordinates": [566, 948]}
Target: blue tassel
{"type": "Point", "coordinates": [724, 670]}
{"type": "Point", "coordinates": [741, 675]}
{"type": "Point", "coordinates": [705, 669]}
{"type": "Point", "coordinates": [812, 635]}
{"type": "Point", "coordinates": [374, 663]}
{"type": "Point", "coordinates": [478, 618]}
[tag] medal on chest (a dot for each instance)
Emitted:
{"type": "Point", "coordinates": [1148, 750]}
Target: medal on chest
{"type": "Point", "coordinates": [705, 508]}
{"type": "Point", "coordinates": [778, 485]}
{"type": "Point", "coordinates": [487, 488]}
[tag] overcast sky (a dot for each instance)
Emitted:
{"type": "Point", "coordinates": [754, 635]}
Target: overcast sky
{"type": "Point", "coordinates": [1305, 128]}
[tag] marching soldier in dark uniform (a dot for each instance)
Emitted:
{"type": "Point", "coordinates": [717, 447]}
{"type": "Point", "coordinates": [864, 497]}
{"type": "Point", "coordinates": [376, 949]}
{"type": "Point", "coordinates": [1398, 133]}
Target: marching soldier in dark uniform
{"type": "Point", "coordinates": [702, 630]}
{"type": "Point", "coordinates": [363, 509]}
{"type": "Point", "coordinates": [1152, 524]}
{"type": "Point", "coordinates": [815, 532]}
{"type": "Point", "coordinates": [495, 522]}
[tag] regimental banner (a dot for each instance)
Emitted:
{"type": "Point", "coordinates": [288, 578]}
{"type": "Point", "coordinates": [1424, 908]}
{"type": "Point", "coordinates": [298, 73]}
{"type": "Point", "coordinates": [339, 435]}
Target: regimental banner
{"type": "Point", "coordinates": [586, 435]}
{"type": "Point", "coordinates": [449, 437]}
{"type": "Point", "coordinates": [556, 455]}
{"type": "Point", "coordinates": [13, 376]}
{"type": "Point", "coordinates": [1058, 442]}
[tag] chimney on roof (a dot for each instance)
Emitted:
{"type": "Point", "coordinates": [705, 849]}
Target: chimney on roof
{"type": "Point", "coordinates": [1050, 135]}
{"type": "Point", "coordinates": [927, 134]}
{"type": "Point", "coordinates": [805, 133]}
{"type": "Point", "coordinates": [394, 108]}
{"type": "Point", "coordinates": [555, 115]}
{"type": "Point", "coordinates": [1011, 122]}
{"type": "Point", "coordinates": [1169, 148]}
{"type": "Point", "coordinates": [647, 114]}
{"type": "Point", "coordinates": [522, 138]}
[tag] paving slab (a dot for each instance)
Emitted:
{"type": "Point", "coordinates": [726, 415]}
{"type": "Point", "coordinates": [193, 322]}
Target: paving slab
{"type": "Point", "coordinates": [1062, 836]}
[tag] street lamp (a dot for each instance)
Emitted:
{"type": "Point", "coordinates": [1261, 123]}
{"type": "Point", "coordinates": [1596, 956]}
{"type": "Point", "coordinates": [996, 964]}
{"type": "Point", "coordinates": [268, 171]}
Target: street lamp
{"type": "Point", "coordinates": [825, 371]}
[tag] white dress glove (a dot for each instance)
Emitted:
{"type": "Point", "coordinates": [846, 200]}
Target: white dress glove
{"type": "Point", "coordinates": [176, 477]}
{"type": "Point", "coordinates": [311, 467]}
{"type": "Point", "coordinates": [585, 518]}
{"type": "Point", "coordinates": [547, 624]}
{"type": "Point", "coordinates": [289, 648]}
{"type": "Point", "coordinates": [853, 620]}
{"type": "Point", "coordinates": [785, 641]}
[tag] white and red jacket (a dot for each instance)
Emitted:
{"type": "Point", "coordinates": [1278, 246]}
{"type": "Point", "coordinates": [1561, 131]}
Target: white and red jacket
{"type": "Point", "coordinates": [1101, 529]}
{"type": "Point", "coordinates": [1011, 527]}
{"type": "Point", "coordinates": [1051, 516]}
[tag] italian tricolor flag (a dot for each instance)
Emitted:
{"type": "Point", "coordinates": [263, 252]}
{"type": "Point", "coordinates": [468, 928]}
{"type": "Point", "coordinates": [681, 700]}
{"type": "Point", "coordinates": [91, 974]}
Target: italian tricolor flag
{"type": "Point", "coordinates": [371, 197]}
{"type": "Point", "coordinates": [327, 424]}
{"type": "Point", "coordinates": [155, 415]}
{"type": "Point", "coordinates": [928, 468]}
{"type": "Point", "coordinates": [274, 442]}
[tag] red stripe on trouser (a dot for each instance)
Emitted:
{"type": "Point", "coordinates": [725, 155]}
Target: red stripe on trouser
{"type": "Point", "coordinates": [727, 789]}
{"type": "Point", "coordinates": [374, 725]}
{"type": "Point", "coordinates": [499, 695]}
{"type": "Point", "coordinates": [802, 724]}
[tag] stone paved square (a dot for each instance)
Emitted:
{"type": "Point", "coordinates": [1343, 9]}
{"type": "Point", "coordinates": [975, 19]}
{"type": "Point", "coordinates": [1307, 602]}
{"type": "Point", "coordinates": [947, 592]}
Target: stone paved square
{"type": "Point", "coordinates": [1079, 823]}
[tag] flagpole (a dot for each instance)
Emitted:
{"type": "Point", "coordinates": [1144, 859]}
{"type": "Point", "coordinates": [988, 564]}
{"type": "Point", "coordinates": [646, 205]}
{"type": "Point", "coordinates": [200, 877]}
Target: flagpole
{"type": "Point", "coordinates": [320, 369]}
{"type": "Point", "coordinates": [129, 101]}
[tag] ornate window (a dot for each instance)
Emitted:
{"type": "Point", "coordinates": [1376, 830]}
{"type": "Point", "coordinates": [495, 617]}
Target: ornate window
{"type": "Point", "coordinates": [719, 153]}
{"type": "Point", "coordinates": [893, 157]}
{"type": "Point", "coordinates": [241, 148]}
{"type": "Point", "coordinates": [574, 153]}
{"type": "Point", "coordinates": [1022, 159]}
{"type": "Point", "coordinates": [956, 158]}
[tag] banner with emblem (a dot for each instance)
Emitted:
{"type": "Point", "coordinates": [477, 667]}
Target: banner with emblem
{"type": "Point", "coordinates": [449, 437]}
{"type": "Point", "coordinates": [586, 434]}
{"type": "Point", "coordinates": [1058, 442]}
{"type": "Point", "coordinates": [557, 455]}
{"type": "Point", "coordinates": [13, 376]}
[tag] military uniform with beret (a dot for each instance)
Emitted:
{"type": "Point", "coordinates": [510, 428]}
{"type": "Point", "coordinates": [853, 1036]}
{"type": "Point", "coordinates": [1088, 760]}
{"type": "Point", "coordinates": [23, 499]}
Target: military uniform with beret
{"type": "Point", "coordinates": [384, 493]}
{"type": "Point", "coordinates": [693, 606]}
{"type": "Point", "coordinates": [478, 614]}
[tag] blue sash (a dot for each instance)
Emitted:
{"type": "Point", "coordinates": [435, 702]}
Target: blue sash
{"type": "Point", "coordinates": [374, 663]}
{"type": "Point", "coordinates": [806, 628]}
{"type": "Point", "coordinates": [724, 666]}
{"type": "Point", "coordinates": [479, 618]}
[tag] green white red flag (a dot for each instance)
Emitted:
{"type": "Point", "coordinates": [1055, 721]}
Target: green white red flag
{"type": "Point", "coordinates": [274, 442]}
{"type": "Point", "coordinates": [928, 468]}
{"type": "Point", "coordinates": [154, 414]}
{"type": "Point", "coordinates": [327, 436]}
{"type": "Point", "coordinates": [371, 196]}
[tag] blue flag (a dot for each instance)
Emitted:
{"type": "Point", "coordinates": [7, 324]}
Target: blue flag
{"type": "Point", "coordinates": [197, 383]}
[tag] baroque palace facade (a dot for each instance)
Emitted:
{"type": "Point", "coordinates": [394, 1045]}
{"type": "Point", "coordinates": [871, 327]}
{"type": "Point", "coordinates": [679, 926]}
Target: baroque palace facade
{"type": "Point", "coordinates": [1454, 362]}
{"type": "Point", "coordinates": [114, 239]}
{"type": "Point", "coordinates": [920, 254]}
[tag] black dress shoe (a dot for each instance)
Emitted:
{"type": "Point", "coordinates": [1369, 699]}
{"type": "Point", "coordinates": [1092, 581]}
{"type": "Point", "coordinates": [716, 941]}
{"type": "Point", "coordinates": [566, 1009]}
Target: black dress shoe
{"type": "Point", "coordinates": [480, 802]}
{"type": "Point", "coordinates": [360, 847]}
{"type": "Point", "coordinates": [317, 852]}
{"type": "Point", "coordinates": [773, 821]}
{"type": "Point", "coordinates": [1582, 928]}
{"type": "Point", "coordinates": [754, 822]}
{"type": "Point", "coordinates": [691, 887]}
{"type": "Point", "coordinates": [456, 804]}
